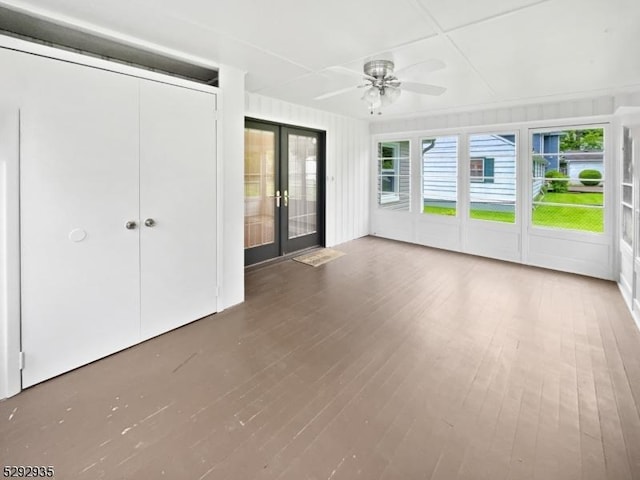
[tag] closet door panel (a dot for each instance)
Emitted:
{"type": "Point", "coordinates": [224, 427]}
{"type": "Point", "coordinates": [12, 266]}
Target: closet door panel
{"type": "Point", "coordinates": [177, 194]}
{"type": "Point", "coordinates": [79, 186]}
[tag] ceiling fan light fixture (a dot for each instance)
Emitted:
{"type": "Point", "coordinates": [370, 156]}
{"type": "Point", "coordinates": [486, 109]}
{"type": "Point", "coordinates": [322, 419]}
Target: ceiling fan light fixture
{"type": "Point", "coordinates": [384, 86]}
{"type": "Point", "coordinates": [372, 97]}
{"type": "Point", "coordinates": [392, 94]}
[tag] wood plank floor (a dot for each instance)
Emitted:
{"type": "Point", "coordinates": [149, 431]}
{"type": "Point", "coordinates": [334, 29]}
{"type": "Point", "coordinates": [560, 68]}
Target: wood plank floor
{"type": "Point", "coordinates": [392, 362]}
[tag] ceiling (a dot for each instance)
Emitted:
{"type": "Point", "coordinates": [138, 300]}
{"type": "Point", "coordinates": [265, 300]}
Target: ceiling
{"type": "Point", "coordinates": [497, 52]}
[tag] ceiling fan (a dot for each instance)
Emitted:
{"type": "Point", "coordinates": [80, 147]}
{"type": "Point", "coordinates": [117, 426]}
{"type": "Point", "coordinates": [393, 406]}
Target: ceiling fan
{"type": "Point", "coordinates": [382, 85]}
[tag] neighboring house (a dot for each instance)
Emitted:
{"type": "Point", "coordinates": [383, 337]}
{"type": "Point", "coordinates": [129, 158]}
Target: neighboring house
{"type": "Point", "coordinates": [574, 162]}
{"type": "Point", "coordinates": [571, 162]}
{"type": "Point", "coordinates": [492, 171]}
{"type": "Point", "coordinates": [548, 145]}
{"type": "Point", "coordinates": [545, 157]}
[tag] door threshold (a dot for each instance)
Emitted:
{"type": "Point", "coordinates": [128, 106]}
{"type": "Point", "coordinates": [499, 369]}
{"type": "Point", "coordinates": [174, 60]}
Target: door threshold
{"type": "Point", "coordinates": [282, 258]}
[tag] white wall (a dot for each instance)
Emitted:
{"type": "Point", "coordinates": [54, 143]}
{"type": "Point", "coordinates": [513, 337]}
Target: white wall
{"type": "Point", "coordinates": [9, 252]}
{"type": "Point", "coordinates": [231, 187]}
{"type": "Point", "coordinates": [348, 161]}
{"type": "Point", "coordinates": [542, 112]}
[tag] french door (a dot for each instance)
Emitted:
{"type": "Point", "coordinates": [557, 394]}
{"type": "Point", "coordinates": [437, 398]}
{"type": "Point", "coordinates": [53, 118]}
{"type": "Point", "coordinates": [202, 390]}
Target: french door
{"type": "Point", "coordinates": [284, 190]}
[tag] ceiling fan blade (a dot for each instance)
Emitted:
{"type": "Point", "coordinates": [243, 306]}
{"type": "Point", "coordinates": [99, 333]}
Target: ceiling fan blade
{"type": "Point", "coordinates": [427, 66]}
{"type": "Point", "coordinates": [348, 71]}
{"type": "Point", "coordinates": [335, 93]}
{"type": "Point", "coordinates": [423, 88]}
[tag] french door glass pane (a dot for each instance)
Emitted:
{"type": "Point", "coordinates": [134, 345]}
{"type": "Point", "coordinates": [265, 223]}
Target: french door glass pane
{"type": "Point", "coordinates": [259, 187]}
{"type": "Point", "coordinates": [440, 175]}
{"type": "Point", "coordinates": [568, 179]}
{"type": "Point", "coordinates": [492, 177]}
{"type": "Point", "coordinates": [303, 185]}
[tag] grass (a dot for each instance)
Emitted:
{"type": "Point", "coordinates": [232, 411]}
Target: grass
{"type": "Point", "coordinates": [567, 216]}
{"type": "Point", "coordinates": [509, 217]}
{"type": "Point", "coordinates": [573, 198]}
{"type": "Point", "coordinates": [440, 211]}
{"type": "Point", "coordinates": [570, 217]}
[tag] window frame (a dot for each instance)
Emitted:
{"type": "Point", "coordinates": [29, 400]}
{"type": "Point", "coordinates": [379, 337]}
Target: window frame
{"type": "Point", "coordinates": [453, 177]}
{"type": "Point", "coordinates": [390, 196]}
{"type": "Point", "coordinates": [400, 151]}
{"type": "Point", "coordinates": [574, 233]}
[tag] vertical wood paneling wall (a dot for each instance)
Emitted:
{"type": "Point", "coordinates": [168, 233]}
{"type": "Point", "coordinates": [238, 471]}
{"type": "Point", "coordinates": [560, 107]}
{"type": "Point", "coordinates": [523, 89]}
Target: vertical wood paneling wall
{"type": "Point", "coordinates": [590, 107]}
{"type": "Point", "coordinates": [348, 162]}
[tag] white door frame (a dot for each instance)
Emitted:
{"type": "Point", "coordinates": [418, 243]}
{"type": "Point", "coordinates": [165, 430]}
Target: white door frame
{"type": "Point", "coordinates": [10, 382]}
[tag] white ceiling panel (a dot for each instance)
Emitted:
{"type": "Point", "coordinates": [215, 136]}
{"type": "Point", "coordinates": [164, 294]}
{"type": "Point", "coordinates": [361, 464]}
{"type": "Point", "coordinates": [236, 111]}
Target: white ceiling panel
{"type": "Point", "coordinates": [559, 47]}
{"type": "Point", "coordinates": [181, 35]}
{"type": "Point", "coordinates": [457, 76]}
{"type": "Point", "coordinates": [494, 51]}
{"type": "Point", "coordinates": [450, 14]}
{"type": "Point", "coordinates": [312, 34]}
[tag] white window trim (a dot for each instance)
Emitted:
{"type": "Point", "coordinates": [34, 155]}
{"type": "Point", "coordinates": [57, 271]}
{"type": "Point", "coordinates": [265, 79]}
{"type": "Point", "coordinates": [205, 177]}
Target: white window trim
{"type": "Point", "coordinates": [390, 197]}
{"type": "Point", "coordinates": [606, 184]}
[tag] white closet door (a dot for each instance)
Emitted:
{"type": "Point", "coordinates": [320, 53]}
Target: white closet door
{"type": "Point", "coordinates": [178, 194]}
{"type": "Point", "coordinates": [79, 186]}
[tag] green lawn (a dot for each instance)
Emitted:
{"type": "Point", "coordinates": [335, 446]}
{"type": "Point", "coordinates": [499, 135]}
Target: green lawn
{"type": "Point", "coordinates": [440, 211]}
{"type": "Point", "coordinates": [478, 214]}
{"type": "Point", "coordinates": [508, 217]}
{"type": "Point", "coordinates": [559, 216]}
{"type": "Point", "coordinates": [574, 218]}
{"type": "Point", "coordinates": [574, 198]}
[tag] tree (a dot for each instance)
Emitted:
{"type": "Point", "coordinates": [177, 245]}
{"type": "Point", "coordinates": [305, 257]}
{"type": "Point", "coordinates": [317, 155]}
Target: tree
{"type": "Point", "coordinates": [589, 139]}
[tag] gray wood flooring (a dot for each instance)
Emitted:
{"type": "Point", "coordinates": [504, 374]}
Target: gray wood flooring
{"type": "Point", "coordinates": [392, 362]}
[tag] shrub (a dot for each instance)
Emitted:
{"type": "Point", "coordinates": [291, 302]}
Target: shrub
{"type": "Point", "coordinates": [558, 186]}
{"type": "Point", "coordinates": [592, 178]}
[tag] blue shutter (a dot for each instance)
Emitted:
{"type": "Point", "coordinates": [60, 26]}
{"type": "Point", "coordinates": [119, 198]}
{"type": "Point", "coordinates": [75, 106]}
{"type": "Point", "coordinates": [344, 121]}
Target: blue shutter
{"type": "Point", "coordinates": [488, 170]}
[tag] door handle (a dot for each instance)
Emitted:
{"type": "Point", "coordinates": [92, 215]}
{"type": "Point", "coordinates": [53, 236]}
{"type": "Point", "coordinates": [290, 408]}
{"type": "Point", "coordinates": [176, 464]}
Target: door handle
{"type": "Point", "coordinates": [286, 198]}
{"type": "Point", "coordinates": [278, 197]}
{"type": "Point", "coordinates": [130, 225]}
{"type": "Point", "coordinates": [149, 222]}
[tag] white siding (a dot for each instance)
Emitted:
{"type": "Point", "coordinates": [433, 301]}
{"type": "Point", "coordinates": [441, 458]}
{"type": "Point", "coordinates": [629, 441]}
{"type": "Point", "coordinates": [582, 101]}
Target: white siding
{"type": "Point", "coordinates": [348, 162]}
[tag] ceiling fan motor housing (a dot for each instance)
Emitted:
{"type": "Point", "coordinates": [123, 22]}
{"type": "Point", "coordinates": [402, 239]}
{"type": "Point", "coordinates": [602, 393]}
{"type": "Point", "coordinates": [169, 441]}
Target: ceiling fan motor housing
{"type": "Point", "coordinates": [378, 68]}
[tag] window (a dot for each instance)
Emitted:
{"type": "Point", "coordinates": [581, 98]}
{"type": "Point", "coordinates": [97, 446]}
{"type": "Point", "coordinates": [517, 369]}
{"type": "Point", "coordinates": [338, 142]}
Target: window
{"type": "Point", "coordinates": [389, 173]}
{"type": "Point", "coordinates": [627, 188]}
{"type": "Point", "coordinates": [440, 175]}
{"type": "Point", "coordinates": [481, 170]}
{"type": "Point", "coordinates": [570, 193]}
{"type": "Point", "coordinates": [394, 175]}
{"type": "Point", "coordinates": [492, 177]}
